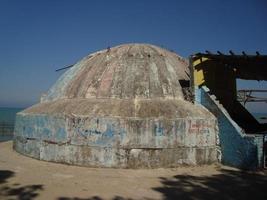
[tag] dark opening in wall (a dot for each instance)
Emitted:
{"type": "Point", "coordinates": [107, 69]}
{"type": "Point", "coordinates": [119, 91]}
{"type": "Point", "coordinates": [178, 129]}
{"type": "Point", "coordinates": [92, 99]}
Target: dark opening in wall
{"type": "Point", "coordinates": [186, 89]}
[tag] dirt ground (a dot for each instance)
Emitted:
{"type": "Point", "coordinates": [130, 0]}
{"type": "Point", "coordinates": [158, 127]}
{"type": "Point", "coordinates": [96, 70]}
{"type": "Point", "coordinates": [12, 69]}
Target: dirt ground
{"type": "Point", "coordinates": [24, 178]}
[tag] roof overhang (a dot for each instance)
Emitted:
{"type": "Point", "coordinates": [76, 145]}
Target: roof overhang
{"type": "Point", "coordinates": [249, 67]}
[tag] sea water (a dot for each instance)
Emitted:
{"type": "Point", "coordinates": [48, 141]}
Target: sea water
{"type": "Point", "coordinates": [7, 122]}
{"type": "Point", "coordinates": [261, 117]}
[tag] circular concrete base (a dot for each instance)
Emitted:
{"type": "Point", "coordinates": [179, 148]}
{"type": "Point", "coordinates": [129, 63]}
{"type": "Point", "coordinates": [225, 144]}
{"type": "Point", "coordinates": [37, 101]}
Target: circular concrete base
{"type": "Point", "coordinates": [181, 133]}
{"type": "Point", "coordinates": [115, 158]}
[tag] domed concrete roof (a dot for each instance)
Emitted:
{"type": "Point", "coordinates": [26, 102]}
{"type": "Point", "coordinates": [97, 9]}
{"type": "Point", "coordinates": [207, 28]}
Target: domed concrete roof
{"type": "Point", "coordinates": [130, 80]}
{"type": "Point", "coordinates": [126, 71]}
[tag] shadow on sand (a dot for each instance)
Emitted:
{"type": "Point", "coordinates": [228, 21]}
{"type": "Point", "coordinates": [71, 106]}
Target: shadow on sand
{"type": "Point", "coordinates": [228, 184]}
{"type": "Point", "coordinates": [15, 191]}
{"type": "Point", "coordinates": [93, 198]}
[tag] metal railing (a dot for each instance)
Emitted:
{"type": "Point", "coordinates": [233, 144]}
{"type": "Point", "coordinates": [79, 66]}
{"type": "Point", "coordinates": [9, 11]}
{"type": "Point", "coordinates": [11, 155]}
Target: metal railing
{"type": "Point", "coordinates": [245, 96]}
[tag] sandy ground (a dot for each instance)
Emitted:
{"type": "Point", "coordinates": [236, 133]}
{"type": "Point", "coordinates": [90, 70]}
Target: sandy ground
{"type": "Point", "coordinates": [26, 178]}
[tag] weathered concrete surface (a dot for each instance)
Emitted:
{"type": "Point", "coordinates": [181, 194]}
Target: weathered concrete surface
{"type": "Point", "coordinates": [126, 71]}
{"type": "Point", "coordinates": [122, 107]}
{"type": "Point", "coordinates": [116, 142]}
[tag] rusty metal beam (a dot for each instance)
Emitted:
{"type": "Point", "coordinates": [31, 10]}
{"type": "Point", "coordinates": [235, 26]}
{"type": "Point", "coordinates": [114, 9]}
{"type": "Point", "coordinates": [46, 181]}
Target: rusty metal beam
{"type": "Point", "coordinates": [64, 68]}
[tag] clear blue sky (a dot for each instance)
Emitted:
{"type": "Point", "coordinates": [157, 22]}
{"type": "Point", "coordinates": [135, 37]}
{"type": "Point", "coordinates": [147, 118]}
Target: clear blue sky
{"type": "Point", "coordinates": [37, 37]}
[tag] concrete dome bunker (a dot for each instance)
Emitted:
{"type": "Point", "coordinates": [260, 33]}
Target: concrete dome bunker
{"type": "Point", "coordinates": [121, 107]}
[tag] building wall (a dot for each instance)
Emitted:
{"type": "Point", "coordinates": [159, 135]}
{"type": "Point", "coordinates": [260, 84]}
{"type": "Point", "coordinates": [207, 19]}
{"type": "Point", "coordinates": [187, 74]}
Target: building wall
{"type": "Point", "coordinates": [116, 142]}
{"type": "Point", "coordinates": [237, 148]}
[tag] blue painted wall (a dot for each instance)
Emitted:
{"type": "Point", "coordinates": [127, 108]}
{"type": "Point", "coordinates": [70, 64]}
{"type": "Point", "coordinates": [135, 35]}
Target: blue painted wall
{"type": "Point", "coordinates": [237, 148]}
{"type": "Point", "coordinates": [41, 127]}
{"type": "Point", "coordinates": [116, 142]}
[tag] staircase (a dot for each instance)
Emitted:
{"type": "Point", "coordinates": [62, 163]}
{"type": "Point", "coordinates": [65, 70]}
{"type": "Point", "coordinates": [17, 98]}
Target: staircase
{"type": "Point", "coordinates": [238, 148]}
